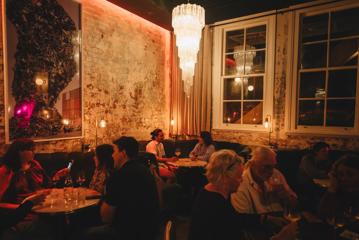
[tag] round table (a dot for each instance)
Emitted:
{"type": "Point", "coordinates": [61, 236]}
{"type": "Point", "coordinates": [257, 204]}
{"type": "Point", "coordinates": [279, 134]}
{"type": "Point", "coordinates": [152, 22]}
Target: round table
{"type": "Point", "coordinates": [187, 162]}
{"type": "Point", "coordinates": [54, 203]}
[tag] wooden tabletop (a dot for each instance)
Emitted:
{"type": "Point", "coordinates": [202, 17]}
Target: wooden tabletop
{"type": "Point", "coordinates": [55, 202]}
{"type": "Point", "coordinates": [187, 162]}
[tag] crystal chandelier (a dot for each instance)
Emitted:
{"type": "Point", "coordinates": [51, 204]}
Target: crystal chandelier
{"type": "Point", "coordinates": [188, 21]}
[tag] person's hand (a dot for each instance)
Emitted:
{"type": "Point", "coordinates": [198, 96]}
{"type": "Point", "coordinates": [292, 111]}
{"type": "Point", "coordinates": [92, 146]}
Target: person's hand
{"type": "Point", "coordinates": [277, 221]}
{"type": "Point", "coordinates": [60, 174]}
{"type": "Point", "coordinates": [173, 159]}
{"type": "Point", "coordinates": [289, 232]}
{"type": "Point", "coordinates": [38, 197]}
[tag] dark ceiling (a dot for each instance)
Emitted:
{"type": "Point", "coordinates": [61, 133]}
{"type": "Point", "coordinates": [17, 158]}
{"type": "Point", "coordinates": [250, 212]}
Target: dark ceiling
{"type": "Point", "coordinates": [159, 11]}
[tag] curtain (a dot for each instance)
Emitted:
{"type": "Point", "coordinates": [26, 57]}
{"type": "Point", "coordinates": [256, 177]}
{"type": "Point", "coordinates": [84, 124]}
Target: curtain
{"type": "Point", "coordinates": [192, 114]}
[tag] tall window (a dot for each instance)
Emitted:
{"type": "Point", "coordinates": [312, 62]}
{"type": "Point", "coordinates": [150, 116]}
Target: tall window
{"type": "Point", "coordinates": [327, 70]}
{"type": "Point", "coordinates": [241, 75]}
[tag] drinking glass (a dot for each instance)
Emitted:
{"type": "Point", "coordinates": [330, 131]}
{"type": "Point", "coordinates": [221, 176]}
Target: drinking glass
{"type": "Point", "coordinates": [81, 179]}
{"type": "Point", "coordinates": [292, 214]}
{"type": "Point", "coordinates": [178, 152]}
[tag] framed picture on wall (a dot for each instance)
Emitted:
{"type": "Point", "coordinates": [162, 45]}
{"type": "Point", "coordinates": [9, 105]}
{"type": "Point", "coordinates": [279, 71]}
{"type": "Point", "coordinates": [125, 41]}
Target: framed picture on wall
{"type": "Point", "coordinates": [42, 56]}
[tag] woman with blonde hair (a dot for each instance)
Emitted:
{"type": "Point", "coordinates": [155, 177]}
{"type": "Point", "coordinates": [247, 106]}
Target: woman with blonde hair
{"type": "Point", "coordinates": [213, 216]}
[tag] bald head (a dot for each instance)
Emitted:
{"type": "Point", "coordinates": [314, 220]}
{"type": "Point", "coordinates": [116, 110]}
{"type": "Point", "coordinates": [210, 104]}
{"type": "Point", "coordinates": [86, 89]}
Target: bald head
{"type": "Point", "coordinates": [264, 155]}
{"type": "Point", "coordinates": [263, 162]}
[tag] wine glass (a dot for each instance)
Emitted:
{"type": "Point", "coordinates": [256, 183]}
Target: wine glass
{"type": "Point", "coordinates": [81, 179]}
{"type": "Point", "coordinates": [292, 214]}
{"type": "Point", "coordinates": [178, 152]}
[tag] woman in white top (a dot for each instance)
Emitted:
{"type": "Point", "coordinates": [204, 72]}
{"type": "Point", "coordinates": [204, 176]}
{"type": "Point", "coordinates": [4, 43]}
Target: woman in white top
{"type": "Point", "coordinates": [156, 147]}
{"type": "Point", "coordinates": [204, 148]}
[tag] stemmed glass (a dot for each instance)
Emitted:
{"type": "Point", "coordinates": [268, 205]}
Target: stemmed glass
{"type": "Point", "coordinates": [81, 179]}
{"type": "Point", "coordinates": [178, 152]}
{"type": "Point", "coordinates": [292, 214]}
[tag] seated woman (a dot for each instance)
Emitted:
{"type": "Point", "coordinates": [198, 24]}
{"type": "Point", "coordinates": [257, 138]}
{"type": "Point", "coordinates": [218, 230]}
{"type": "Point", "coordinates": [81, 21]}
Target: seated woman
{"type": "Point", "coordinates": [20, 174]}
{"type": "Point", "coordinates": [343, 192]}
{"type": "Point", "coordinates": [204, 148]}
{"type": "Point", "coordinates": [104, 166]}
{"type": "Point", "coordinates": [213, 216]}
{"type": "Point", "coordinates": [156, 147]}
{"type": "Point", "coordinates": [315, 164]}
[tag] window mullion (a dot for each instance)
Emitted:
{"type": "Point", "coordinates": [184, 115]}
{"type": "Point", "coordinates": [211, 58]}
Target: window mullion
{"type": "Point", "coordinates": [327, 73]}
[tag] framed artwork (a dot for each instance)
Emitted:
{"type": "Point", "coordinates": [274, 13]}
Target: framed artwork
{"type": "Point", "coordinates": [42, 56]}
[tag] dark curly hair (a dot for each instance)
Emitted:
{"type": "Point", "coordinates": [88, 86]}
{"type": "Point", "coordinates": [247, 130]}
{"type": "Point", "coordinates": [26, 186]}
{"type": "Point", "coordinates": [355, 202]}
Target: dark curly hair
{"type": "Point", "coordinates": [155, 133]}
{"type": "Point", "coordinates": [207, 138]}
{"type": "Point", "coordinates": [12, 158]}
{"type": "Point", "coordinates": [104, 156]}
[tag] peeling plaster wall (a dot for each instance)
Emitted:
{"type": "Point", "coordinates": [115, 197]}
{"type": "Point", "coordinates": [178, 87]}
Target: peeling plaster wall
{"type": "Point", "coordinates": [279, 135]}
{"type": "Point", "coordinates": [126, 77]}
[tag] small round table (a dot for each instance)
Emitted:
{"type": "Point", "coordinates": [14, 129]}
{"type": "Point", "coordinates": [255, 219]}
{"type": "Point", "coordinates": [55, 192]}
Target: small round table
{"type": "Point", "coordinates": [187, 162]}
{"type": "Point", "coordinates": [54, 203]}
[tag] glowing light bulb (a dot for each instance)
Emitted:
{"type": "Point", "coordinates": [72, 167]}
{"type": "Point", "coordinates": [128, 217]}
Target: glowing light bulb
{"type": "Point", "coordinates": [102, 123]}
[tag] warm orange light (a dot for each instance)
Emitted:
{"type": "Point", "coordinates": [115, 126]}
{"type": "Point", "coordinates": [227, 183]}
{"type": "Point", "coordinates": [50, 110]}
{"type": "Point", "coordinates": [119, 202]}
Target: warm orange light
{"type": "Point", "coordinates": [132, 18]}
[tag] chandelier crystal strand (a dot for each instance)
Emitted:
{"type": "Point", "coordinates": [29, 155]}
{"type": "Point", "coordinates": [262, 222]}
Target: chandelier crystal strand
{"type": "Point", "coordinates": [188, 22]}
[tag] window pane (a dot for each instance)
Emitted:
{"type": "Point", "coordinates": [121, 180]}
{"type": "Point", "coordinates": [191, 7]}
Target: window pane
{"type": "Point", "coordinates": [313, 56]}
{"type": "Point", "coordinates": [311, 112]}
{"type": "Point", "coordinates": [232, 89]}
{"type": "Point", "coordinates": [234, 41]}
{"type": "Point", "coordinates": [345, 23]}
{"type": "Point", "coordinates": [343, 53]}
{"type": "Point", "coordinates": [315, 28]}
{"type": "Point", "coordinates": [255, 62]}
{"type": "Point", "coordinates": [253, 88]}
{"type": "Point", "coordinates": [231, 65]}
{"type": "Point", "coordinates": [342, 83]}
{"type": "Point", "coordinates": [252, 112]}
{"type": "Point", "coordinates": [256, 37]}
{"type": "Point", "coordinates": [232, 112]}
{"type": "Point", "coordinates": [341, 113]}
{"type": "Point", "coordinates": [312, 85]}
{"type": "Point", "coordinates": [239, 60]}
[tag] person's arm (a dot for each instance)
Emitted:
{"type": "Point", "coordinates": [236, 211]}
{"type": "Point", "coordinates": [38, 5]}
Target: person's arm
{"type": "Point", "coordinates": [107, 212]}
{"type": "Point", "coordinates": [112, 197]}
{"type": "Point", "coordinates": [210, 149]}
{"type": "Point", "coordinates": [5, 179]}
{"type": "Point", "coordinates": [194, 152]}
{"type": "Point", "coordinates": [329, 201]}
{"type": "Point", "coordinates": [286, 193]}
{"type": "Point", "coordinates": [241, 202]}
{"type": "Point", "coordinates": [14, 216]}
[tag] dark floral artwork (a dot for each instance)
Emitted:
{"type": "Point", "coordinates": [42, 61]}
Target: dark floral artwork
{"type": "Point", "coordinates": [45, 44]}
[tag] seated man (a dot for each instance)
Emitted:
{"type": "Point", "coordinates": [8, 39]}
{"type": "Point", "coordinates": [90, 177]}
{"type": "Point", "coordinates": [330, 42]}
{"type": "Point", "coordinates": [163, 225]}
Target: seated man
{"type": "Point", "coordinates": [131, 207]}
{"type": "Point", "coordinates": [264, 188]}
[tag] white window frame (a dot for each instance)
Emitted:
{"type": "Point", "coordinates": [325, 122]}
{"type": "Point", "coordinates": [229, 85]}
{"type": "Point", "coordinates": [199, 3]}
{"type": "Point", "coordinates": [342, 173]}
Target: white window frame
{"type": "Point", "coordinates": [292, 76]}
{"type": "Point", "coordinates": [218, 75]}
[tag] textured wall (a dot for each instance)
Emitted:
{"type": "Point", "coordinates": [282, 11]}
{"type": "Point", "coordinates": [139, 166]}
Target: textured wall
{"type": "Point", "coordinates": [279, 135]}
{"type": "Point", "coordinates": [125, 76]}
